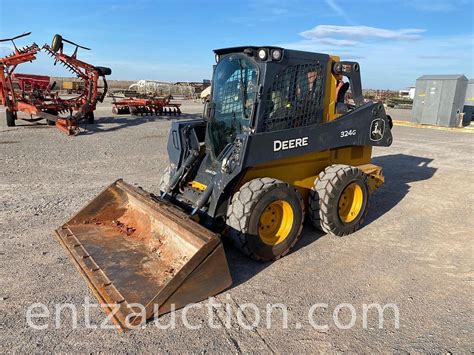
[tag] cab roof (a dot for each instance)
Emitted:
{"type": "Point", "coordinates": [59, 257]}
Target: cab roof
{"type": "Point", "coordinates": [288, 53]}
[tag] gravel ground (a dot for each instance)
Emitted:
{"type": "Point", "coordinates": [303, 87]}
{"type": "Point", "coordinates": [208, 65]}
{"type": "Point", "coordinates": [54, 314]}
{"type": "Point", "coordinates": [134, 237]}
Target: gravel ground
{"type": "Point", "coordinates": [414, 252]}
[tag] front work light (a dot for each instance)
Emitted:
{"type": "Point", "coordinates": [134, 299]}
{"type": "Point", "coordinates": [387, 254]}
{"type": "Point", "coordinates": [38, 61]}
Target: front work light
{"type": "Point", "coordinates": [276, 54]}
{"type": "Point", "coordinates": [262, 54]}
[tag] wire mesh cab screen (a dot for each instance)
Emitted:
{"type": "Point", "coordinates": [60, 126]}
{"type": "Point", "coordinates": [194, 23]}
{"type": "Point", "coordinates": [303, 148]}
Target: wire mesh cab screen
{"type": "Point", "coordinates": [295, 98]}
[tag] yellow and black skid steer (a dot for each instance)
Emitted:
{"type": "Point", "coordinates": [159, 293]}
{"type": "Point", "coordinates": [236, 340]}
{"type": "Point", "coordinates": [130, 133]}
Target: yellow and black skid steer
{"type": "Point", "coordinates": [277, 143]}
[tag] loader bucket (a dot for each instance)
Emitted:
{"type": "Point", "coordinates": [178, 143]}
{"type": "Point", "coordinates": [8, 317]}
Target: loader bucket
{"type": "Point", "coordinates": [135, 249]}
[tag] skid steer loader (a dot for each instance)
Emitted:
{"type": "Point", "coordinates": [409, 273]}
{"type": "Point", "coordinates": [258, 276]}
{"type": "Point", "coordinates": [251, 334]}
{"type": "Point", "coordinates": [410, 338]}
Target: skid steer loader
{"type": "Point", "coordinates": [277, 143]}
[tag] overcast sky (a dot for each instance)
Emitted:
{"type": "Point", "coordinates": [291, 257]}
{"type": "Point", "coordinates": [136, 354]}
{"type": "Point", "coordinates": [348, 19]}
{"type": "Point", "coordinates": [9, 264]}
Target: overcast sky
{"type": "Point", "coordinates": [394, 41]}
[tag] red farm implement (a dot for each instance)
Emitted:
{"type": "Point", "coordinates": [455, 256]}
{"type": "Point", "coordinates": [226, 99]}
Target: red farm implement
{"type": "Point", "coordinates": [30, 83]}
{"type": "Point", "coordinates": [147, 106]}
{"type": "Point", "coordinates": [41, 103]}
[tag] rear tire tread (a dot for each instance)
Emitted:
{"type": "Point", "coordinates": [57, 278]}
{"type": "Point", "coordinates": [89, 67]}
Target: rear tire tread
{"type": "Point", "coordinates": [322, 197]}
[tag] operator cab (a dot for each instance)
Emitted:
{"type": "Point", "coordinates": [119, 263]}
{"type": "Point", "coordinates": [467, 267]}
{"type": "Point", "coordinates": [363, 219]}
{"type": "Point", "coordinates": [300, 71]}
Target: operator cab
{"type": "Point", "coordinates": [263, 89]}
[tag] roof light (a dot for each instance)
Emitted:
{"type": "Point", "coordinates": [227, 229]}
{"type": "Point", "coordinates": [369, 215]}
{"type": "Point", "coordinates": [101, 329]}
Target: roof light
{"type": "Point", "coordinates": [276, 54]}
{"type": "Point", "coordinates": [262, 54]}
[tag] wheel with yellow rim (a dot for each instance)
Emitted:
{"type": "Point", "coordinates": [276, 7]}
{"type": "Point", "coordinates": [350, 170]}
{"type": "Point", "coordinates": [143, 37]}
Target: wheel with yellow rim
{"type": "Point", "coordinates": [338, 203]}
{"type": "Point", "coordinates": [265, 218]}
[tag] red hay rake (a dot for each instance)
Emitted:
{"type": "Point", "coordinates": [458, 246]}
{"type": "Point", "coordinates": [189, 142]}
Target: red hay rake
{"type": "Point", "coordinates": [42, 103]}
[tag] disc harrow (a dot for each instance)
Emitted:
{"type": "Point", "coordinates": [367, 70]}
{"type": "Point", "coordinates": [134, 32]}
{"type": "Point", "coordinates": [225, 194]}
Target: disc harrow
{"type": "Point", "coordinates": [146, 107]}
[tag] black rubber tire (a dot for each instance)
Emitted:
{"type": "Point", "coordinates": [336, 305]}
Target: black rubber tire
{"type": "Point", "coordinates": [57, 43]}
{"type": "Point", "coordinates": [165, 178]}
{"type": "Point", "coordinates": [103, 71]}
{"type": "Point", "coordinates": [244, 212]}
{"type": "Point", "coordinates": [90, 118]}
{"type": "Point", "coordinates": [324, 198]}
{"type": "Point", "coordinates": [11, 117]}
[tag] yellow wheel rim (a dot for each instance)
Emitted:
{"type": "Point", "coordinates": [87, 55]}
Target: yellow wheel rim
{"type": "Point", "coordinates": [275, 222]}
{"type": "Point", "coordinates": [350, 202]}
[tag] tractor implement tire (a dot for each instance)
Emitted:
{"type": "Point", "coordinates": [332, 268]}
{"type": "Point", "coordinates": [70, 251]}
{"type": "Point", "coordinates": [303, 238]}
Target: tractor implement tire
{"type": "Point", "coordinates": [10, 118]}
{"type": "Point", "coordinates": [90, 118]}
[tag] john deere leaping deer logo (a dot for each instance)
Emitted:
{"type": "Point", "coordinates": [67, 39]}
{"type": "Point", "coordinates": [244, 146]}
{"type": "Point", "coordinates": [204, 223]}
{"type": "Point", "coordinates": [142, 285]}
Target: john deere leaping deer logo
{"type": "Point", "coordinates": [377, 129]}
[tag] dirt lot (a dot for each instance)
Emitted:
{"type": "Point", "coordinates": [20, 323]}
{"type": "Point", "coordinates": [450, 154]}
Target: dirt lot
{"type": "Point", "coordinates": [415, 251]}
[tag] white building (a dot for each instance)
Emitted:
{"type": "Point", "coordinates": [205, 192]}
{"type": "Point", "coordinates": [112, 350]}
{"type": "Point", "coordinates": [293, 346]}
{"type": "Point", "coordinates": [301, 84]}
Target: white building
{"type": "Point", "coordinates": [407, 93]}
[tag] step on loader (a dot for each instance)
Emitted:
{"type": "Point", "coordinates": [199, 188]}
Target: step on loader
{"type": "Point", "coordinates": [278, 142]}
